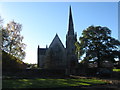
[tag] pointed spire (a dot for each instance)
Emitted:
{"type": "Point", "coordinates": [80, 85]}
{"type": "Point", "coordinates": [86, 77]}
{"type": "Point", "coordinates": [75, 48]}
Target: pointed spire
{"type": "Point", "coordinates": [71, 26]}
{"type": "Point", "coordinates": [46, 46]}
{"type": "Point", "coordinates": [56, 35]}
{"type": "Point", "coordinates": [70, 13]}
{"type": "Point", "coordinates": [38, 46]}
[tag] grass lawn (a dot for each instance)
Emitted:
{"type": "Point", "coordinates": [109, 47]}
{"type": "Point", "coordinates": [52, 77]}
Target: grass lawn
{"type": "Point", "coordinates": [48, 83]}
{"type": "Point", "coordinates": [116, 70]}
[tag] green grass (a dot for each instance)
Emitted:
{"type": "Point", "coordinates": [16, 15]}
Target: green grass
{"type": "Point", "coordinates": [116, 70]}
{"type": "Point", "coordinates": [49, 83]}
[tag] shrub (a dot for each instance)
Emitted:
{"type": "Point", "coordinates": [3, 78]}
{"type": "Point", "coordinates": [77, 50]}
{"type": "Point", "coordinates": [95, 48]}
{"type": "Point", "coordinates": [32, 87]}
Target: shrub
{"type": "Point", "coordinates": [11, 63]}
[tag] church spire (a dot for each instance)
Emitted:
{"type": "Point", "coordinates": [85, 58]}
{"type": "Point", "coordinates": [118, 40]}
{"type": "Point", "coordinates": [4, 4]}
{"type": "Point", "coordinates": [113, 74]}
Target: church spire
{"type": "Point", "coordinates": [71, 26]}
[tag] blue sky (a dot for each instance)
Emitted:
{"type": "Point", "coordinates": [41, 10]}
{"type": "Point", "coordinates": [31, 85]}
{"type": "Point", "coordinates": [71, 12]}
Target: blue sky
{"type": "Point", "coordinates": [41, 21]}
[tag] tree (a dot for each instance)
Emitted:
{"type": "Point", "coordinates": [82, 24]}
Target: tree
{"type": "Point", "coordinates": [1, 21]}
{"type": "Point", "coordinates": [12, 40]}
{"type": "Point", "coordinates": [97, 44]}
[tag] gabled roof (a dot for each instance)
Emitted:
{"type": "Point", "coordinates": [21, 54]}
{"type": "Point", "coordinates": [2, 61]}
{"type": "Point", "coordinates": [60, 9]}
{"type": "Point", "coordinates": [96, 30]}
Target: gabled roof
{"type": "Point", "coordinates": [55, 41]}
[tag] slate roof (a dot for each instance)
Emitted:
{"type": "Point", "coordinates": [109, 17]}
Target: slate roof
{"type": "Point", "coordinates": [56, 40]}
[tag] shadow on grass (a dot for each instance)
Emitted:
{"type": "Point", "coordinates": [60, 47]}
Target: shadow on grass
{"type": "Point", "coordinates": [49, 83]}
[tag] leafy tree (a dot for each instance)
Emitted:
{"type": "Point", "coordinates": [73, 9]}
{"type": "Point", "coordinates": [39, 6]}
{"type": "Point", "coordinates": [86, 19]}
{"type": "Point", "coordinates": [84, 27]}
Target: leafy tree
{"type": "Point", "coordinates": [1, 20]}
{"type": "Point", "coordinates": [0, 45]}
{"type": "Point", "coordinates": [97, 44]}
{"type": "Point", "coordinates": [12, 40]}
{"type": "Point", "coordinates": [1, 32]}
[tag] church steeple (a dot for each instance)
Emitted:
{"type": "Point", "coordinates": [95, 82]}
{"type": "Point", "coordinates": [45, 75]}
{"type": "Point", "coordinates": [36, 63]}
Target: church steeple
{"type": "Point", "coordinates": [70, 46]}
{"type": "Point", "coordinates": [71, 26]}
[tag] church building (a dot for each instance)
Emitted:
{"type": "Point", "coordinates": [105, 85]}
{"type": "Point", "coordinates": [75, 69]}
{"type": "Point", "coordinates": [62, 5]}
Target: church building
{"type": "Point", "coordinates": [57, 56]}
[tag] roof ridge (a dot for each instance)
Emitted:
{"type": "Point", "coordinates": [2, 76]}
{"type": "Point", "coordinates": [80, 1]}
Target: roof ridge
{"type": "Point", "coordinates": [56, 36]}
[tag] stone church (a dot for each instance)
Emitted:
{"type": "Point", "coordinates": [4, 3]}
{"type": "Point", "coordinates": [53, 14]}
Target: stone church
{"type": "Point", "coordinates": [56, 56]}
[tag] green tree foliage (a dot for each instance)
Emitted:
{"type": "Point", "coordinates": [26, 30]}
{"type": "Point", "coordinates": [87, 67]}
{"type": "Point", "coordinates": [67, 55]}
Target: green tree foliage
{"type": "Point", "coordinates": [12, 40]}
{"type": "Point", "coordinates": [97, 44]}
{"type": "Point", "coordinates": [1, 32]}
{"type": "Point", "coordinates": [0, 45]}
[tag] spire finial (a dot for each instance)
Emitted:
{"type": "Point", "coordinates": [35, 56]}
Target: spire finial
{"type": "Point", "coordinates": [70, 14]}
{"type": "Point", "coordinates": [56, 34]}
{"type": "Point", "coordinates": [70, 8]}
{"type": "Point", "coordinates": [71, 26]}
{"type": "Point", "coordinates": [38, 46]}
{"type": "Point", "coordinates": [46, 46]}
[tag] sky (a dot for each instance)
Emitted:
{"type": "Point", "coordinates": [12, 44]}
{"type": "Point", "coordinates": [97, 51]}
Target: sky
{"type": "Point", "coordinates": [42, 20]}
